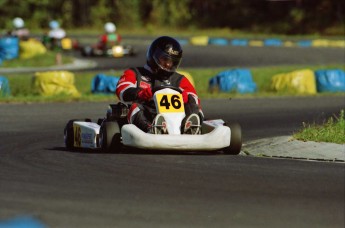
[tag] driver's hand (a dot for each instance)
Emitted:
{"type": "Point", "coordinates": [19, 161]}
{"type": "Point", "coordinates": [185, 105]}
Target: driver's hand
{"type": "Point", "coordinates": [185, 96]}
{"type": "Point", "coordinates": [145, 94]}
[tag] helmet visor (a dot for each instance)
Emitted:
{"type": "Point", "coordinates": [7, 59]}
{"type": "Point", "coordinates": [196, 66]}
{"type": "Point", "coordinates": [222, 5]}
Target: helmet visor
{"type": "Point", "coordinates": [165, 61]}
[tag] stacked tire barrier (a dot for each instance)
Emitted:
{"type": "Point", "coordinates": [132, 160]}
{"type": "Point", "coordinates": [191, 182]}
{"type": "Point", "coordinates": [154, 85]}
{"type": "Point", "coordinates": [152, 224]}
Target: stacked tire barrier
{"type": "Point", "coordinates": [297, 82]}
{"type": "Point", "coordinates": [234, 80]}
{"type": "Point", "coordinates": [9, 48]}
{"type": "Point", "coordinates": [4, 87]}
{"type": "Point", "coordinates": [31, 48]}
{"type": "Point", "coordinates": [269, 42]}
{"type": "Point", "coordinates": [303, 81]}
{"type": "Point", "coordinates": [330, 80]}
{"type": "Point", "coordinates": [310, 82]}
{"type": "Point", "coordinates": [105, 84]}
{"type": "Point", "coordinates": [55, 83]}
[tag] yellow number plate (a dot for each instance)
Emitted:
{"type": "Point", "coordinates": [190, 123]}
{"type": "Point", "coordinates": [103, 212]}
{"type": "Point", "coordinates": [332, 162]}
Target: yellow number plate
{"type": "Point", "coordinates": [167, 103]}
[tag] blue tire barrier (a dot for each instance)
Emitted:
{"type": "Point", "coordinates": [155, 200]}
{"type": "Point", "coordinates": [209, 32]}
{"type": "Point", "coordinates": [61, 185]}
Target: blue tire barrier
{"type": "Point", "coordinates": [239, 80]}
{"type": "Point", "coordinates": [239, 42]}
{"type": "Point", "coordinates": [9, 48]}
{"type": "Point", "coordinates": [183, 41]}
{"type": "Point", "coordinates": [4, 87]}
{"type": "Point", "coordinates": [273, 42]}
{"type": "Point", "coordinates": [102, 83]}
{"type": "Point", "coordinates": [330, 80]}
{"type": "Point", "coordinates": [304, 43]}
{"type": "Point", "coordinates": [22, 222]}
{"type": "Point", "coordinates": [218, 41]}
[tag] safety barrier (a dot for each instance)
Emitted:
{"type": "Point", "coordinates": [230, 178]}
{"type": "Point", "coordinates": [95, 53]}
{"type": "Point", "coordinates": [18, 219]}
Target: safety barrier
{"type": "Point", "coordinates": [269, 42]}
{"type": "Point", "coordinates": [4, 87]}
{"type": "Point", "coordinates": [54, 83]}
{"type": "Point", "coordinates": [9, 48]}
{"type": "Point", "coordinates": [238, 80]}
{"type": "Point", "coordinates": [102, 83]}
{"type": "Point", "coordinates": [304, 81]}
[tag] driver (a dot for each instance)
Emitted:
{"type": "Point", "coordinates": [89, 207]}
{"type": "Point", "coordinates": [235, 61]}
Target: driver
{"type": "Point", "coordinates": [110, 37]}
{"type": "Point", "coordinates": [136, 84]}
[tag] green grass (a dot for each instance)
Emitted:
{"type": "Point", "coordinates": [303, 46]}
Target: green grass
{"type": "Point", "coordinates": [333, 131]}
{"type": "Point", "coordinates": [44, 60]}
{"type": "Point", "coordinates": [22, 91]}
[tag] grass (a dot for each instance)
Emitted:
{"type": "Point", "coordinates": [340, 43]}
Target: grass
{"type": "Point", "coordinates": [22, 91]}
{"type": "Point", "coordinates": [333, 131]}
{"type": "Point", "coordinates": [44, 60]}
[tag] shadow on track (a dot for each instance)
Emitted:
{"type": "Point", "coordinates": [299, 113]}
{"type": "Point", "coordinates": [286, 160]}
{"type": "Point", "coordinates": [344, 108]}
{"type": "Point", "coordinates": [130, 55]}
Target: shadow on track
{"type": "Point", "coordinates": [135, 151]}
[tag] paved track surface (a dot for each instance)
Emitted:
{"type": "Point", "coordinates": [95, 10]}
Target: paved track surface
{"type": "Point", "coordinates": [38, 177]}
{"type": "Point", "coordinates": [231, 56]}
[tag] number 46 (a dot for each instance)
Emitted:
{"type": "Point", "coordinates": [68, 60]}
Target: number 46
{"type": "Point", "coordinates": [174, 101]}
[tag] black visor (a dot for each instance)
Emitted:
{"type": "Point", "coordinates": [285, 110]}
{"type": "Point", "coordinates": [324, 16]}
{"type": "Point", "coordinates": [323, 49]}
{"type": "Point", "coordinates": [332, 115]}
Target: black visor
{"type": "Point", "coordinates": [165, 61]}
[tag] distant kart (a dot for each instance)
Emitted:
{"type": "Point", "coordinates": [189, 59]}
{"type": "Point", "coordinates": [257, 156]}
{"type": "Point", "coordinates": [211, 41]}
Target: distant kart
{"type": "Point", "coordinates": [113, 133]}
{"type": "Point", "coordinates": [116, 51]}
{"type": "Point", "coordinates": [65, 44]}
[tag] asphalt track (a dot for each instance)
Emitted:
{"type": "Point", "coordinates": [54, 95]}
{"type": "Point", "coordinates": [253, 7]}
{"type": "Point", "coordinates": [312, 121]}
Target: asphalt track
{"type": "Point", "coordinates": [232, 56]}
{"type": "Point", "coordinates": [61, 188]}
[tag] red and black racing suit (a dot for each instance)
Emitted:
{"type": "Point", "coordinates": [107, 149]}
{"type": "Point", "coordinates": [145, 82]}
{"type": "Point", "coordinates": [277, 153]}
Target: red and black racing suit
{"type": "Point", "coordinates": [109, 40]}
{"type": "Point", "coordinates": [142, 113]}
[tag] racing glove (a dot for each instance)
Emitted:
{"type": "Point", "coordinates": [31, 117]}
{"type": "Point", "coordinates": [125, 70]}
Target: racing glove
{"type": "Point", "coordinates": [145, 94]}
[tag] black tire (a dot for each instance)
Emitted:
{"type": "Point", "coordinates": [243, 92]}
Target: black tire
{"type": "Point", "coordinates": [86, 51]}
{"type": "Point", "coordinates": [110, 137]}
{"type": "Point", "coordinates": [235, 141]}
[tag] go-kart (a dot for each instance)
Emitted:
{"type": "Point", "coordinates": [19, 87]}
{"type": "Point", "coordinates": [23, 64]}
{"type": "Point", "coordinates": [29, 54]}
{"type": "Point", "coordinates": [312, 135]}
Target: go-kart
{"type": "Point", "coordinates": [65, 44]}
{"type": "Point", "coordinates": [113, 133]}
{"type": "Point", "coordinates": [116, 51]}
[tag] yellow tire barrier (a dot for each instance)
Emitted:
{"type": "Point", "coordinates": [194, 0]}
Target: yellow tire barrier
{"type": "Point", "coordinates": [299, 82]}
{"type": "Point", "coordinates": [188, 76]}
{"type": "Point", "coordinates": [54, 83]}
{"type": "Point", "coordinates": [199, 40]}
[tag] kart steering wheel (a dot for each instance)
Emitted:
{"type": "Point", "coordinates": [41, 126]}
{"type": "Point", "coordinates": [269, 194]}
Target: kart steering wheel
{"type": "Point", "coordinates": [155, 89]}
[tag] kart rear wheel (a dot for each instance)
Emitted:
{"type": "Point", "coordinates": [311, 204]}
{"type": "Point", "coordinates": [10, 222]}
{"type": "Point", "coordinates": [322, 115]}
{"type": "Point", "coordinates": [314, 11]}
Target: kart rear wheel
{"type": "Point", "coordinates": [235, 140]}
{"type": "Point", "coordinates": [110, 137]}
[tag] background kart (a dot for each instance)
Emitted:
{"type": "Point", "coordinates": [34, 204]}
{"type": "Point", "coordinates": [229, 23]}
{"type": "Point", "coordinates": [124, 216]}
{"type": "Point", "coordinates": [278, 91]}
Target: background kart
{"type": "Point", "coordinates": [113, 133]}
{"type": "Point", "coordinates": [116, 51]}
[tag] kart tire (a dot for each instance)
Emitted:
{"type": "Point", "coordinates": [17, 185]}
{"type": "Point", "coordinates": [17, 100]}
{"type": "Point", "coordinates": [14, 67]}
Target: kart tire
{"type": "Point", "coordinates": [235, 140]}
{"type": "Point", "coordinates": [110, 137]}
{"type": "Point", "coordinates": [86, 51]}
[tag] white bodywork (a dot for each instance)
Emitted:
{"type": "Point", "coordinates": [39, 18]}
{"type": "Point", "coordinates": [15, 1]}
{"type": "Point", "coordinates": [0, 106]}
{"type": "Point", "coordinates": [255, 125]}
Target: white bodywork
{"type": "Point", "coordinates": [174, 118]}
{"type": "Point", "coordinates": [217, 139]}
{"type": "Point", "coordinates": [169, 103]}
{"type": "Point", "coordinates": [85, 134]}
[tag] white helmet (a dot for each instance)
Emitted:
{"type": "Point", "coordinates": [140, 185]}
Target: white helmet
{"type": "Point", "coordinates": [109, 27]}
{"type": "Point", "coordinates": [54, 24]}
{"type": "Point", "coordinates": [18, 22]}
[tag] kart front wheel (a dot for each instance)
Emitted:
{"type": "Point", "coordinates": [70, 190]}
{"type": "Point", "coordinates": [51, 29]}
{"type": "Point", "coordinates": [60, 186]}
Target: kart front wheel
{"type": "Point", "coordinates": [235, 140]}
{"type": "Point", "coordinates": [110, 137]}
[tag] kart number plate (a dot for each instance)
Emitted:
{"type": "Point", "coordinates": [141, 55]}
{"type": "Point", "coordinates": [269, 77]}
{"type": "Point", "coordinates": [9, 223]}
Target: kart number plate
{"type": "Point", "coordinates": [169, 103]}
